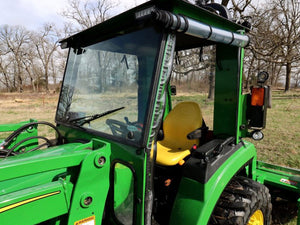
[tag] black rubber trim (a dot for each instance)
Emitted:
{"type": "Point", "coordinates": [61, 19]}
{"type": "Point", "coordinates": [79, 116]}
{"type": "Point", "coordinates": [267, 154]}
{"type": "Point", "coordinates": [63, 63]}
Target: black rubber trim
{"type": "Point", "coordinates": [166, 19]}
{"type": "Point", "coordinates": [149, 132]}
{"type": "Point", "coordinates": [178, 25]}
{"type": "Point", "coordinates": [238, 93]}
{"type": "Point", "coordinates": [202, 169]}
{"type": "Point", "coordinates": [232, 39]}
{"type": "Point", "coordinates": [170, 20]}
{"type": "Point", "coordinates": [209, 33]}
{"type": "Point", "coordinates": [186, 24]}
{"type": "Point", "coordinates": [155, 80]}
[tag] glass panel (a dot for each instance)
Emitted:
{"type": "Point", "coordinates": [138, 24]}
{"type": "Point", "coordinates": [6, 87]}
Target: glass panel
{"type": "Point", "coordinates": [193, 75]}
{"type": "Point", "coordinates": [123, 194]}
{"type": "Point", "coordinates": [107, 85]}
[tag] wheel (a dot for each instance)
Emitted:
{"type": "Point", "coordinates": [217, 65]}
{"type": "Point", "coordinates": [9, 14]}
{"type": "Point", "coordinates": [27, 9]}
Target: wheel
{"type": "Point", "coordinates": [243, 202]}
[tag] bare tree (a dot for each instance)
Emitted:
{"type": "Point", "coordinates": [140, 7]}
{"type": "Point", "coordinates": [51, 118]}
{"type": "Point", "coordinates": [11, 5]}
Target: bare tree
{"type": "Point", "coordinates": [277, 35]}
{"type": "Point", "coordinates": [32, 58]}
{"type": "Point", "coordinates": [87, 13]}
{"type": "Point", "coordinates": [4, 75]}
{"type": "Point", "coordinates": [190, 67]}
{"type": "Point", "coordinates": [46, 44]}
{"type": "Point", "coordinates": [297, 78]}
{"type": "Point", "coordinates": [29, 65]}
{"type": "Point", "coordinates": [239, 6]}
{"type": "Point", "coordinates": [289, 20]}
{"type": "Point", "coordinates": [27, 57]}
{"type": "Point", "coordinates": [14, 41]}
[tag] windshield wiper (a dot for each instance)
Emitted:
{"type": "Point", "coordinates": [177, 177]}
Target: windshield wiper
{"type": "Point", "coordinates": [87, 119]}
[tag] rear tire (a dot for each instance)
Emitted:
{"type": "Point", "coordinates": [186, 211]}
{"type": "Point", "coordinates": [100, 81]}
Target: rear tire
{"type": "Point", "coordinates": [243, 202]}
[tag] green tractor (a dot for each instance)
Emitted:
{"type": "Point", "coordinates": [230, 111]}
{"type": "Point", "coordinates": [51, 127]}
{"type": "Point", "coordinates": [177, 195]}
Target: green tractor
{"type": "Point", "coordinates": [123, 154]}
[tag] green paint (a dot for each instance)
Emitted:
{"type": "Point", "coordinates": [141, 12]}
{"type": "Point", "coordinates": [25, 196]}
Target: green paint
{"type": "Point", "coordinates": [227, 82]}
{"type": "Point", "coordinates": [35, 204]}
{"type": "Point", "coordinates": [92, 185]}
{"type": "Point", "coordinates": [195, 201]}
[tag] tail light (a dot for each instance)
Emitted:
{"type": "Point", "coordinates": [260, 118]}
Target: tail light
{"type": "Point", "coordinates": [258, 102]}
{"type": "Point", "coordinates": [258, 96]}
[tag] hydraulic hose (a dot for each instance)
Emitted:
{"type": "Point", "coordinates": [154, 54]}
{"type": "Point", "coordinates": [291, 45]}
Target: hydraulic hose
{"type": "Point", "coordinates": [11, 137]}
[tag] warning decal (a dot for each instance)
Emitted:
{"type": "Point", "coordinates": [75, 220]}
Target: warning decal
{"type": "Point", "coordinates": [86, 221]}
{"type": "Point", "coordinates": [290, 182]}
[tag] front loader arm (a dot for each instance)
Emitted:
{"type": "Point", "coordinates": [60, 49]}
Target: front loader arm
{"type": "Point", "coordinates": [60, 185]}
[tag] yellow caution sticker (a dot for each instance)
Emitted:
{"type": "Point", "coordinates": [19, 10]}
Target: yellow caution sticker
{"type": "Point", "coordinates": [290, 182]}
{"type": "Point", "coordinates": [86, 221]}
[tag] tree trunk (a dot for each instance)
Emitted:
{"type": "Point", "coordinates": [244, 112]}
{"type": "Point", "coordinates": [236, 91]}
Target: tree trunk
{"type": "Point", "coordinates": [249, 73]}
{"type": "Point", "coordinates": [211, 78]}
{"type": "Point", "coordinates": [32, 84]}
{"type": "Point", "coordinates": [288, 76]}
{"type": "Point", "coordinates": [47, 81]}
{"type": "Point", "coordinates": [20, 85]}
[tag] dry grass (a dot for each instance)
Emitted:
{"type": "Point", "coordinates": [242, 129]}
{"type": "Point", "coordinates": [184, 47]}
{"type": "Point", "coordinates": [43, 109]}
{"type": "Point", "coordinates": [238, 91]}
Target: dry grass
{"type": "Point", "coordinates": [22, 107]}
{"type": "Point", "coordinates": [281, 144]}
{"type": "Point", "coordinates": [16, 107]}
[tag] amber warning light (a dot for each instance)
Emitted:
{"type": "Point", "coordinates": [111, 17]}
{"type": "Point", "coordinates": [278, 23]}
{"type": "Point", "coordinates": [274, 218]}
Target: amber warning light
{"type": "Point", "coordinates": [258, 96]}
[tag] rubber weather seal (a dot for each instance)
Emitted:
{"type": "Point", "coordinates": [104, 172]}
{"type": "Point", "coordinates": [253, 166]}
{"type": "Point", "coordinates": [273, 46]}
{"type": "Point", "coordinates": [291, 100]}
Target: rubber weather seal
{"type": "Point", "coordinates": [158, 113]}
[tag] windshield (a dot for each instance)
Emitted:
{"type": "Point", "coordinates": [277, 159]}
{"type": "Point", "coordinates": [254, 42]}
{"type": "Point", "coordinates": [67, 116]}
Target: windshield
{"type": "Point", "coordinates": [107, 86]}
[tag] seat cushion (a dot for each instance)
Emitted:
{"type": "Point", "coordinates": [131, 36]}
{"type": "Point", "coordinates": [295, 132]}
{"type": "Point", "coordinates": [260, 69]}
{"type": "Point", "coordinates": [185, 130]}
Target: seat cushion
{"type": "Point", "coordinates": [169, 156]}
{"type": "Point", "coordinates": [184, 118]}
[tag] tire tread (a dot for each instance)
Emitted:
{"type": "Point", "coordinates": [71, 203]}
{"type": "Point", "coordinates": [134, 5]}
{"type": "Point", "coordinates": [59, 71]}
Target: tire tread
{"type": "Point", "coordinates": [240, 199]}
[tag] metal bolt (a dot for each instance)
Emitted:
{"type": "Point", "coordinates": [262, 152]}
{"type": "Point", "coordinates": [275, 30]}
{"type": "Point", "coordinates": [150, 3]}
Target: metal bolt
{"type": "Point", "coordinates": [88, 200]}
{"type": "Point", "coordinates": [101, 160]}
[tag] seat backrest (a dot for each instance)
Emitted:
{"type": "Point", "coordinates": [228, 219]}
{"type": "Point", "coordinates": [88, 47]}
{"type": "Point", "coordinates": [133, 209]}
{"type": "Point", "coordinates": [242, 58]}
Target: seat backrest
{"type": "Point", "coordinates": [184, 118]}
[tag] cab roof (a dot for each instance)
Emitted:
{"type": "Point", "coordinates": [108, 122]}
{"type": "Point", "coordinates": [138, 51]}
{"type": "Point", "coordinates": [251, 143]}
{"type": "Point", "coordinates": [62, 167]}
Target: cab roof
{"type": "Point", "coordinates": [128, 21]}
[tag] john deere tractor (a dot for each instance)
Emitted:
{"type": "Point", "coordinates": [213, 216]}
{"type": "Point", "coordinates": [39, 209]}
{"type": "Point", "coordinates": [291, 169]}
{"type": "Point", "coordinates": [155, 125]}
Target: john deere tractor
{"type": "Point", "coordinates": [123, 154]}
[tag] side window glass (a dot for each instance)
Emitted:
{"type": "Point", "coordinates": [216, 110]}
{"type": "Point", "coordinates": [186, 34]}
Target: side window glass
{"type": "Point", "coordinates": [194, 72]}
{"type": "Point", "coordinates": [123, 194]}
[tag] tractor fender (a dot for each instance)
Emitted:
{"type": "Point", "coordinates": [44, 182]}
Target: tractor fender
{"type": "Point", "coordinates": [195, 201]}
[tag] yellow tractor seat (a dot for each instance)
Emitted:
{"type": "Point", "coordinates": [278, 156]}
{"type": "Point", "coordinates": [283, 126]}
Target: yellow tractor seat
{"type": "Point", "coordinates": [184, 118]}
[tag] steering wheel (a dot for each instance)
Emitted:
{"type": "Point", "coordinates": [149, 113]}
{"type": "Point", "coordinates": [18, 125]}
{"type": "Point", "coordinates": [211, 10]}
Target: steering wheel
{"type": "Point", "coordinates": [117, 127]}
{"type": "Point", "coordinates": [126, 130]}
{"type": "Point", "coordinates": [4, 152]}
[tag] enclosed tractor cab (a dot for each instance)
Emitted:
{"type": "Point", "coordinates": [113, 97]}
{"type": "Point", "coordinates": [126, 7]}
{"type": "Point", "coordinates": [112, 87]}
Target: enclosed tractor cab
{"type": "Point", "coordinates": [123, 154]}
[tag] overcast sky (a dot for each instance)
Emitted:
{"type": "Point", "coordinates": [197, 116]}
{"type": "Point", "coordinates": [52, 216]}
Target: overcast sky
{"type": "Point", "coordinates": [34, 13]}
